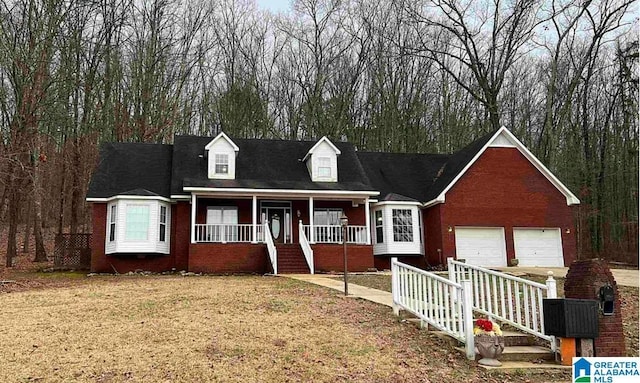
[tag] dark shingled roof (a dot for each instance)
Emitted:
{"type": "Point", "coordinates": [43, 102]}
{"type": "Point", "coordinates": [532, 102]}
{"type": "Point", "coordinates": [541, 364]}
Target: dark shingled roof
{"type": "Point", "coordinates": [419, 177]}
{"type": "Point", "coordinates": [263, 164]}
{"type": "Point", "coordinates": [163, 170]}
{"type": "Point", "coordinates": [132, 169]}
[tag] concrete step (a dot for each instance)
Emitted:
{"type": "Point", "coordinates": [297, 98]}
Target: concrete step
{"type": "Point", "coordinates": [526, 354]}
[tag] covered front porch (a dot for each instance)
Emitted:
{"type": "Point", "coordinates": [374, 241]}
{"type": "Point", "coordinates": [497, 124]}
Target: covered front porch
{"type": "Point", "coordinates": [296, 233]}
{"type": "Point", "coordinates": [246, 219]}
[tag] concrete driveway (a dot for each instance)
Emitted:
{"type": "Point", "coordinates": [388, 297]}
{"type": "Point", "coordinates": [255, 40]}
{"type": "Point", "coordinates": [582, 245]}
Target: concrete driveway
{"type": "Point", "coordinates": [623, 277]}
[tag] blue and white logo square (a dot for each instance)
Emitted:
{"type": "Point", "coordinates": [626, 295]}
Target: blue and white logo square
{"type": "Point", "coordinates": [606, 370]}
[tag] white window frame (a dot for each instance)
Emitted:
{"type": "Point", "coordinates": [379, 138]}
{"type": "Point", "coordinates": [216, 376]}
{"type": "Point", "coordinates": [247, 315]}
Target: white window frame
{"type": "Point", "coordinates": [111, 224]}
{"type": "Point", "coordinates": [402, 231]}
{"type": "Point", "coordinates": [162, 223]}
{"type": "Point", "coordinates": [128, 221]}
{"type": "Point", "coordinates": [324, 167]}
{"type": "Point", "coordinates": [222, 161]}
{"type": "Point", "coordinates": [378, 224]}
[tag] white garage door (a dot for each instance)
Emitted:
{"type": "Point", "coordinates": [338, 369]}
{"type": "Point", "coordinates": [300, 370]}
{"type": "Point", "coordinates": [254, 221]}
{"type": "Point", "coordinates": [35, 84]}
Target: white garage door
{"type": "Point", "coordinates": [481, 246]}
{"type": "Point", "coordinates": [538, 247]}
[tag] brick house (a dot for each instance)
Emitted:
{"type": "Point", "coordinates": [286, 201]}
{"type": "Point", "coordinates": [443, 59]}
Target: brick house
{"type": "Point", "coordinates": [225, 205]}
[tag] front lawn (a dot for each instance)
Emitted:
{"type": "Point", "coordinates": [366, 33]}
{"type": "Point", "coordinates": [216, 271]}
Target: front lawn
{"type": "Point", "coordinates": [202, 329]}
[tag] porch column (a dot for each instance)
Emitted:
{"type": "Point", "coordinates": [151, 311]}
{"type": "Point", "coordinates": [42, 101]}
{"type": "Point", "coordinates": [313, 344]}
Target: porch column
{"type": "Point", "coordinates": [254, 219]}
{"type": "Point", "coordinates": [367, 219]}
{"type": "Point", "coordinates": [312, 237]}
{"type": "Point", "coordinates": [193, 218]}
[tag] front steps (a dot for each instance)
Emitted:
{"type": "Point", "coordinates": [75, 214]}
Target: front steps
{"type": "Point", "coordinates": [520, 351]}
{"type": "Point", "coordinates": [291, 259]}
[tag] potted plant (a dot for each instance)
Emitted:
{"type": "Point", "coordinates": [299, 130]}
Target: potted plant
{"type": "Point", "coordinates": [489, 342]}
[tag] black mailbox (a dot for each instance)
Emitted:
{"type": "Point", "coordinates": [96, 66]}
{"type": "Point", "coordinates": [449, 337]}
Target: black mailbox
{"type": "Point", "coordinates": [571, 318]}
{"type": "Point", "coordinates": [607, 298]}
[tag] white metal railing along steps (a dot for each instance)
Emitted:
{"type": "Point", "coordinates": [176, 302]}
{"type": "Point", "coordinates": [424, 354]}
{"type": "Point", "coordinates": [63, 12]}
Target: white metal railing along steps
{"type": "Point", "coordinates": [448, 304]}
{"type": "Point", "coordinates": [507, 298]}
{"type": "Point", "coordinates": [444, 304]}
{"type": "Point", "coordinates": [271, 248]}
{"type": "Point", "coordinates": [306, 247]}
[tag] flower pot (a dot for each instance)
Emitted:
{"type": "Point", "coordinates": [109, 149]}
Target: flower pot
{"type": "Point", "coordinates": [489, 347]}
{"type": "Point", "coordinates": [514, 262]}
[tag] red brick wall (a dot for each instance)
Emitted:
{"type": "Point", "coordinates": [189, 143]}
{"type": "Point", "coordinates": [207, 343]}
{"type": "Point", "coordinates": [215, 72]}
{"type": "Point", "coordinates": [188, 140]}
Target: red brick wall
{"type": "Point", "coordinates": [181, 233]}
{"type": "Point", "coordinates": [228, 258]}
{"type": "Point", "coordinates": [384, 263]}
{"type": "Point", "coordinates": [101, 263]}
{"type": "Point", "coordinates": [330, 257]}
{"type": "Point", "coordinates": [501, 189]}
{"type": "Point", "coordinates": [583, 281]}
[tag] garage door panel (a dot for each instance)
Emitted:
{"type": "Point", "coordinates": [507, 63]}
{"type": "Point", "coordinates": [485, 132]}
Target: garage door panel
{"type": "Point", "coordinates": [538, 247]}
{"type": "Point", "coordinates": [481, 246]}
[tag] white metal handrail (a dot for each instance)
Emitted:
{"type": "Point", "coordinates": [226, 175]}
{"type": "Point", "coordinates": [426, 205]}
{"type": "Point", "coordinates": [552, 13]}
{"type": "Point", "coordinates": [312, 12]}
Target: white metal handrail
{"type": "Point", "coordinates": [224, 233]}
{"type": "Point", "coordinates": [271, 248]}
{"type": "Point", "coordinates": [306, 247]}
{"type": "Point", "coordinates": [356, 234]}
{"type": "Point", "coordinates": [444, 304]}
{"type": "Point", "coordinates": [506, 298]}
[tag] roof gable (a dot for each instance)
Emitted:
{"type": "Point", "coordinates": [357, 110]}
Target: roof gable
{"type": "Point", "coordinates": [464, 159]}
{"type": "Point", "coordinates": [324, 139]}
{"type": "Point", "coordinates": [221, 136]}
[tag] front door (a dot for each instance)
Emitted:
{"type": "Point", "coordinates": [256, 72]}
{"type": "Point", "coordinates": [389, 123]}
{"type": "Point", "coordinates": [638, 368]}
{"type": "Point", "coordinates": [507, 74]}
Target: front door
{"type": "Point", "coordinates": [278, 215]}
{"type": "Point", "coordinates": [277, 224]}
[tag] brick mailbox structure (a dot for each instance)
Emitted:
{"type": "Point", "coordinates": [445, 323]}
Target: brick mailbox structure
{"type": "Point", "coordinates": [584, 281]}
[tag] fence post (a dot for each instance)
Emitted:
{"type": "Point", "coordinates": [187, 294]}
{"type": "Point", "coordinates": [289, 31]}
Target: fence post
{"type": "Point", "coordinates": [394, 285]}
{"type": "Point", "coordinates": [467, 314]}
{"type": "Point", "coordinates": [552, 289]}
{"type": "Point", "coordinates": [552, 292]}
{"type": "Point", "coordinates": [451, 268]}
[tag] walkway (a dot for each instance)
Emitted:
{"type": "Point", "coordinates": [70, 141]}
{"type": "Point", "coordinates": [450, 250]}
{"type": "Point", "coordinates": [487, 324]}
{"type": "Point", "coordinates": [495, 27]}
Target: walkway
{"type": "Point", "coordinates": [373, 295]}
{"type": "Point", "coordinates": [623, 277]}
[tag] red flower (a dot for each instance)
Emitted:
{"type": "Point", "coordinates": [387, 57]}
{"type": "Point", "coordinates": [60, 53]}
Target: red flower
{"type": "Point", "coordinates": [484, 324]}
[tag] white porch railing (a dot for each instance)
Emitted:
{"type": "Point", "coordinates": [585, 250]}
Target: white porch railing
{"type": "Point", "coordinates": [306, 247]}
{"type": "Point", "coordinates": [333, 234]}
{"type": "Point", "coordinates": [271, 248]}
{"type": "Point", "coordinates": [224, 233]}
{"type": "Point", "coordinates": [444, 304]}
{"type": "Point", "coordinates": [505, 298]}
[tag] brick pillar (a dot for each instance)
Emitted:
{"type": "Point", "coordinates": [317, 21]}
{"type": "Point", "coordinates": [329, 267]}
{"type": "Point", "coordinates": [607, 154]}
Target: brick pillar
{"type": "Point", "coordinates": [583, 281]}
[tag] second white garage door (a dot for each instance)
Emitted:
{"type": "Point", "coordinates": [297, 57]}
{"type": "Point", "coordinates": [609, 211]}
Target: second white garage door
{"type": "Point", "coordinates": [481, 246]}
{"type": "Point", "coordinates": [538, 247]}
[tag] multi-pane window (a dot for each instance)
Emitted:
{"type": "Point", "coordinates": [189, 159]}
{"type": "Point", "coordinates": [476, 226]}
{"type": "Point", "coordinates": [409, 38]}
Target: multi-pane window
{"type": "Point", "coordinates": [222, 224]}
{"type": "Point", "coordinates": [379, 227]}
{"type": "Point", "coordinates": [402, 225]}
{"type": "Point", "coordinates": [137, 223]}
{"type": "Point", "coordinates": [327, 216]}
{"type": "Point", "coordinates": [222, 164]}
{"type": "Point", "coordinates": [324, 167]}
{"type": "Point", "coordinates": [163, 224]}
{"type": "Point", "coordinates": [112, 223]}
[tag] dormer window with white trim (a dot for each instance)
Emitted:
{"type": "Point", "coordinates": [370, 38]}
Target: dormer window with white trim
{"type": "Point", "coordinates": [221, 154]}
{"type": "Point", "coordinates": [222, 164]}
{"type": "Point", "coordinates": [322, 161]}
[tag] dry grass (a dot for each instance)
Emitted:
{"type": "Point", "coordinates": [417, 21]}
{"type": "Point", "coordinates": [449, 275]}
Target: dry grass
{"type": "Point", "coordinates": [227, 329]}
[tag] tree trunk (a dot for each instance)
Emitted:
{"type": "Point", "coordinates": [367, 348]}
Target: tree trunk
{"type": "Point", "coordinates": [14, 210]}
{"type": "Point", "coordinates": [41, 253]}
{"type": "Point", "coordinates": [27, 232]}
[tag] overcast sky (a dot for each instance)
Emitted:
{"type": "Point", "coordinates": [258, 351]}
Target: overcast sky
{"type": "Point", "coordinates": [275, 6]}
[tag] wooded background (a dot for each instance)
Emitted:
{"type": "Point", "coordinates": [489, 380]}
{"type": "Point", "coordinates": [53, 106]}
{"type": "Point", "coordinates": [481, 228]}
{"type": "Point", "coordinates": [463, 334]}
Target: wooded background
{"type": "Point", "coordinates": [402, 76]}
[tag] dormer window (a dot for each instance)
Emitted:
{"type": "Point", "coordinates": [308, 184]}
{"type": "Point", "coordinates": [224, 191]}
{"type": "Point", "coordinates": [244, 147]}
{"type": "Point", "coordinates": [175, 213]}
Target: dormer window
{"type": "Point", "coordinates": [322, 161]}
{"type": "Point", "coordinates": [324, 167]}
{"type": "Point", "coordinates": [221, 154]}
{"type": "Point", "coordinates": [222, 164]}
